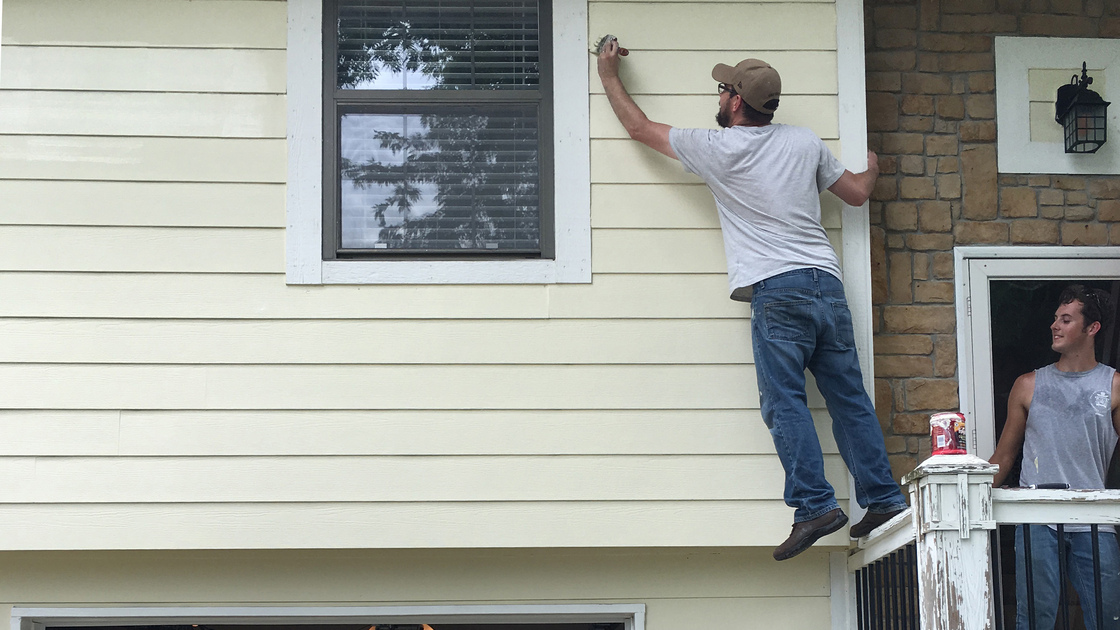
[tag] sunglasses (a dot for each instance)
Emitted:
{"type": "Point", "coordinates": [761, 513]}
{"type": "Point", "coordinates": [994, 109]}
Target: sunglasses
{"type": "Point", "coordinates": [723, 87]}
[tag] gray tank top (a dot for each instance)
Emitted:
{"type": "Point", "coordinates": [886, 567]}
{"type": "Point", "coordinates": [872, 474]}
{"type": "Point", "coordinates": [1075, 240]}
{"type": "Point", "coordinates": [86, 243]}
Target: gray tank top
{"type": "Point", "coordinates": [1070, 437]}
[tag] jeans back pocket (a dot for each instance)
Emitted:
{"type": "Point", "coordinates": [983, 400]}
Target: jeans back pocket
{"type": "Point", "coordinates": [788, 320]}
{"type": "Point", "coordinates": [844, 335]}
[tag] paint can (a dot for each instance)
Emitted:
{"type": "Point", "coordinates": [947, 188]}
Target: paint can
{"type": "Point", "coordinates": [946, 432]}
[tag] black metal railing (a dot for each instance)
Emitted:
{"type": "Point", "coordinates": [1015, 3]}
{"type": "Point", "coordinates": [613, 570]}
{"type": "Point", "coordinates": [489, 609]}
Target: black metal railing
{"type": "Point", "coordinates": [1047, 576]}
{"type": "Point", "coordinates": [887, 592]}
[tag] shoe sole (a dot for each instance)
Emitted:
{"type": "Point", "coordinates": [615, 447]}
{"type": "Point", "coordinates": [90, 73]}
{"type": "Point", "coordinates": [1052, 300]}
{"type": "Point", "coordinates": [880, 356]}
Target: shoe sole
{"type": "Point", "coordinates": [817, 535]}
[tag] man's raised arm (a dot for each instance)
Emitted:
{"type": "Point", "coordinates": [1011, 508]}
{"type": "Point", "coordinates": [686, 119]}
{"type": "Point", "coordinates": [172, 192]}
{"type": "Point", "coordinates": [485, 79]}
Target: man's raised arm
{"type": "Point", "coordinates": [652, 134]}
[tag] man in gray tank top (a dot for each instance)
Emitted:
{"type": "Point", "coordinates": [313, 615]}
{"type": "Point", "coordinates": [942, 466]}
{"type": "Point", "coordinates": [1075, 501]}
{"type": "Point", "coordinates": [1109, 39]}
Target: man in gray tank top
{"type": "Point", "coordinates": [767, 179]}
{"type": "Point", "coordinates": [1066, 419]}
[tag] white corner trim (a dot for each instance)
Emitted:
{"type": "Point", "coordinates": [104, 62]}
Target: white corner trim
{"type": "Point", "coordinates": [571, 159]}
{"type": "Point", "coordinates": [1015, 56]}
{"type": "Point", "coordinates": [1, 31]}
{"type": "Point", "coordinates": [633, 615]}
{"type": "Point", "coordinates": [855, 223]}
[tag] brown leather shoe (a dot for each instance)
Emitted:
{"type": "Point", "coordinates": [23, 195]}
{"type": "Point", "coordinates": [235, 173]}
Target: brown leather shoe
{"type": "Point", "coordinates": [806, 533]}
{"type": "Point", "coordinates": [870, 522]}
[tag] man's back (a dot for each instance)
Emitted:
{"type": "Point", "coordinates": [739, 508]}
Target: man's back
{"type": "Point", "coordinates": [767, 182]}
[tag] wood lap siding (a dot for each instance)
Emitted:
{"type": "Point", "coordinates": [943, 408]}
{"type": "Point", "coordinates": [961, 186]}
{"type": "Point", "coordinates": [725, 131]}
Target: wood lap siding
{"type": "Point", "coordinates": [157, 367]}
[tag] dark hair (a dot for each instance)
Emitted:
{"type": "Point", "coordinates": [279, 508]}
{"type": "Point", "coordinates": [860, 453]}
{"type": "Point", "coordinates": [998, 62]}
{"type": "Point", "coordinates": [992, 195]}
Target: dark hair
{"type": "Point", "coordinates": [756, 117]}
{"type": "Point", "coordinates": [1094, 302]}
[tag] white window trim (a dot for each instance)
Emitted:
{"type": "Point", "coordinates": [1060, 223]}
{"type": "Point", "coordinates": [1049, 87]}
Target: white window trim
{"type": "Point", "coordinates": [1015, 56]}
{"type": "Point", "coordinates": [572, 177]}
{"type": "Point", "coordinates": [632, 615]}
{"type": "Point", "coordinates": [974, 267]}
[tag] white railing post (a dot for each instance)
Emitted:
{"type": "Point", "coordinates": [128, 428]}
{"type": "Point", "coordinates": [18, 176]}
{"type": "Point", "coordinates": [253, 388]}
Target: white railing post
{"type": "Point", "coordinates": [951, 496]}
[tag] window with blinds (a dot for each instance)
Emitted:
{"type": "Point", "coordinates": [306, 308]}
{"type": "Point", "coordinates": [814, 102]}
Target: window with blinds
{"type": "Point", "coordinates": [437, 128]}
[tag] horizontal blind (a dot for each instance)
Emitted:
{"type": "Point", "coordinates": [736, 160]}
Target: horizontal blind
{"type": "Point", "coordinates": [438, 44]}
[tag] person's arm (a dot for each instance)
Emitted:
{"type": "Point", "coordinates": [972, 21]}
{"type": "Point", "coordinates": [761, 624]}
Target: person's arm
{"type": "Point", "coordinates": [855, 189]}
{"type": "Point", "coordinates": [652, 134]}
{"type": "Point", "coordinates": [1015, 428]}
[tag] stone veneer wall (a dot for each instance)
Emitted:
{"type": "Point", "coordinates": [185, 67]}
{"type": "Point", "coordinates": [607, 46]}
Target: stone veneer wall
{"type": "Point", "coordinates": [931, 117]}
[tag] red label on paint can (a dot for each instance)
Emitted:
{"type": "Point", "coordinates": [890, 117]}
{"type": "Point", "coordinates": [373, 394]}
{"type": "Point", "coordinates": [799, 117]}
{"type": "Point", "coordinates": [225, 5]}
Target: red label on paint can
{"type": "Point", "coordinates": [946, 432]}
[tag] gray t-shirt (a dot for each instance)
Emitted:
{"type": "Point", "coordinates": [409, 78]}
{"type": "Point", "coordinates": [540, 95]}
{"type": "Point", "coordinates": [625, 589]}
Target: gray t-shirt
{"type": "Point", "coordinates": [1070, 437]}
{"type": "Point", "coordinates": [767, 183]}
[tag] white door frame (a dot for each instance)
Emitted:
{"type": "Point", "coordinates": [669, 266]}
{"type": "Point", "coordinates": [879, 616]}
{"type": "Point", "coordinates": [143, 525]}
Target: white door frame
{"type": "Point", "coordinates": [974, 268]}
{"type": "Point", "coordinates": [632, 615]}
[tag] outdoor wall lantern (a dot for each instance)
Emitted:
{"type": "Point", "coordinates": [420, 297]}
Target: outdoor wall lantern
{"type": "Point", "coordinates": [1081, 113]}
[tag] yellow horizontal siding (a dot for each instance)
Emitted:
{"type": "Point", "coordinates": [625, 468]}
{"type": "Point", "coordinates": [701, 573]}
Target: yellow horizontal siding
{"type": "Point", "coordinates": [399, 525]}
{"type": "Point", "coordinates": [256, 296]}
{"type": "Point", "coordinates": [541, 342]}
{"type": "Point", "coordinates": [145, 23]}
{"type": "Point", "coordinates": [164, 388]}
{"type": "Point", "coordinates": [90, 386]}
{"type": "Point", "coordinates": [657, 251]}
{"type": "Point", "coordinates": [158, 433]}
{"type": "Point", "coordinates": [235, 71]}
{"type": "Point", "coordinates": [81, 248]}
{"type": "Point", "coordinates": [141, 204]}
{"type": "Point", "coordinates": [339, 577]}
{"type": "Point", "coordinates": [412, 479]}
{"type": "Point", "coordinates": [252, 296]}
{"type": "Point", "coordinates": [143, 159]}
{"type": "Point", "coordinates": [143, 114]}
{"type": "Point", "coordinates": [679, 587]}
{"type": "Point", "coordinates": [690, 25]}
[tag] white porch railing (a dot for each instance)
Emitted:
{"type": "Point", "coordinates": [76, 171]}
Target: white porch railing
{"type": "Point", "coordinates": [931, 566]}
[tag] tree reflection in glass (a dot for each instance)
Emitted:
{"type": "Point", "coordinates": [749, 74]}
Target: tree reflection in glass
{"type": "Point", "coordinates": [431, 175]}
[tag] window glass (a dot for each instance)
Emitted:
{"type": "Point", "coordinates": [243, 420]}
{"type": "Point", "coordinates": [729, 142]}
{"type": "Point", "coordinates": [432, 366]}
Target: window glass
{"type": "Point", "coordinates": [436, 129]}
{"type": "Point", "coordinates": [440, 182]}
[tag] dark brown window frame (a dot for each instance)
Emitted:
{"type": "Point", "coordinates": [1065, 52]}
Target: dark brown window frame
{"type": "Point", "coordinates": [337, 102]}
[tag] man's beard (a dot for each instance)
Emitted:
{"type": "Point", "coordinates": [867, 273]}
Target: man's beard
{"type": "Point", "coordinates": [723, 119]}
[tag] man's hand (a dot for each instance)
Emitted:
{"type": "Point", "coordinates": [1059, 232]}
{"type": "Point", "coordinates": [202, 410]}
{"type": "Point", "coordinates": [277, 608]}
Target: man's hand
{"type": "Point", "coordinates": [608, 60]}
{"type": "Point", "coordinates": [653, 135]}
{"type": "Point", "coordinates": [855, 189]}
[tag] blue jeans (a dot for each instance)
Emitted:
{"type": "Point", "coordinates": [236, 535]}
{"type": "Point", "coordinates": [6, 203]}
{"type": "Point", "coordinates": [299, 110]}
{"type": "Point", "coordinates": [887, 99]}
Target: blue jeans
{"type": "Point", "coordinates": [1079, 568]}
{"type": "Point", "coordinates": [800, 320]}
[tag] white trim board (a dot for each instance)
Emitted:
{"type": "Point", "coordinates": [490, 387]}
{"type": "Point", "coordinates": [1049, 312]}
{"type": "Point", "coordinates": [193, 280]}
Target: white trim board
{"type": "Point", "coordinates": [1015, 56]}
{"type": "Point", "coordinates": [1, 31]}
{"type": "Point", "coordinates": [854, 222]}
{"type": "Point", "coordinates": [974, 267]}
{"type": "Point", "coordinates": [571, 159]}
{"type": "Point", "coordinates": [632, 615]}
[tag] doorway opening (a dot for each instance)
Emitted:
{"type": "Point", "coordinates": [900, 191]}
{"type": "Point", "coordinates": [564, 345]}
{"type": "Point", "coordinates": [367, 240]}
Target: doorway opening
{"type": "Point", "coordinates": [1005, 301]}
{"type": "Point", "coordinates": [1021, 313]}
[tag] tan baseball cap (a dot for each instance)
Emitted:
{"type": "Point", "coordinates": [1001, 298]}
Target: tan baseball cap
{"type": "Point", "coordinates": [754, 80]}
